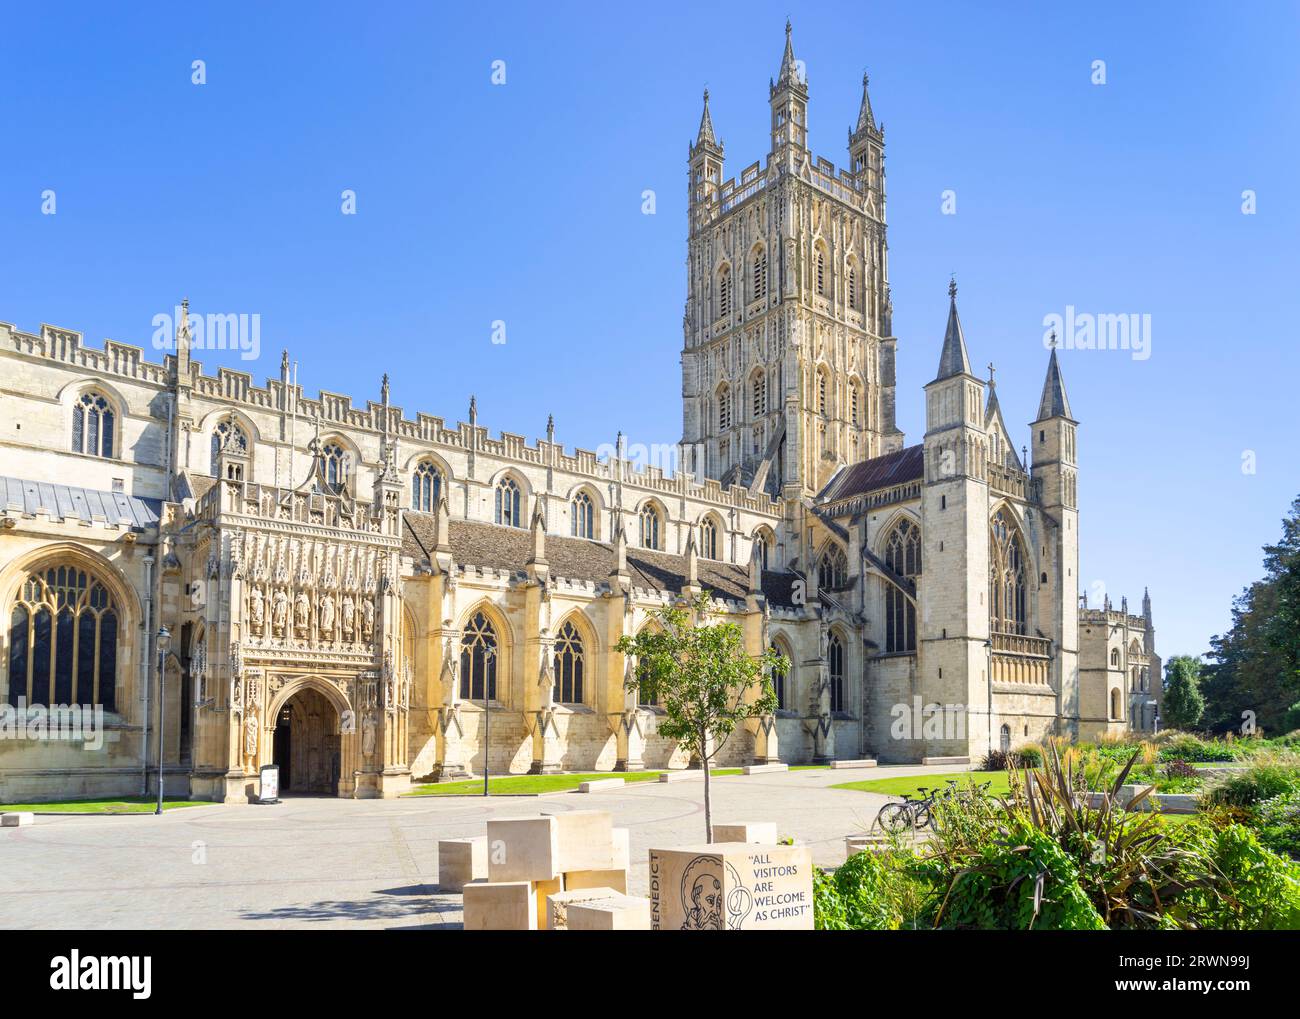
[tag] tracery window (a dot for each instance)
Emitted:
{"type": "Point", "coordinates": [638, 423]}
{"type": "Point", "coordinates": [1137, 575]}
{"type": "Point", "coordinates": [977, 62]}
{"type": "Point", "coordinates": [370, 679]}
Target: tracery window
{"type": "Point", "coordinates": [650, 527]}
{"type": "Point", "coordinates": [93, 423]}
{"type": "Point", "coordinates": [855, 403]}
{"type": "Point", "coordinates": [724, 291]}
{"type": "Point", "coordinates": [335, 459]}
{"type": "Point", "coordinates": [478, 659]}
{"type": "Point", "coordinates": [764, 548]}
{"type": "Point", "coordinates": [1007, 578]}
{"type": "Point", "coordinates": [228, 436]}
{"type": "Point", "coordinates": [760, 274]}
{"type": "Point", "coordinates": [821, 272]}
{"type": "Point", "coordinates": [759, 387]}
{"type": "Point", "coordinates": [724, 407]}
{"type": "Point", "coordinates": [823, 393]}
{"type": "Point", "coordinates": [833, 568]}
{"type": "Point", "coordinates": [568, 665]}
{"type": "Point", "coordinates": [63, 635]}
{"type": "Point", "coordinates": [903, 555]}
{"type": "Point", "coordinates": [709, 538]}
{"type": "Point", "coordinates": [778, 678]}
{"type": "Point", "coordinates": [507, 503]}
{"type": "Point", "coordinates": [426, 487]}
{"type": "Point", "coordinates": [835, 661]}
{"type": "Point", "coordinates": [583, 516]}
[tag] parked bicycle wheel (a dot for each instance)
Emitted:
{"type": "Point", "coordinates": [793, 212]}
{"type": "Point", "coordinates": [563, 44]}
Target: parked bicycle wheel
{"type": "Point", "coordinates": [894, 818]}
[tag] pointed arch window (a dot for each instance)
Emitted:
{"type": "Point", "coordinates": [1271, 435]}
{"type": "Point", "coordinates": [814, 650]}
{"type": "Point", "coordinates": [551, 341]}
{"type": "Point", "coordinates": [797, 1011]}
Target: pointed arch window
{"type": "Point", "coordinates": [855, 403]}
{"type": "Point", "coordinates": [760, 273]}
{"type": "Point", "coordinates": [336, 466]}
{"type": "Point", "coordinates": [833, 568]}
{"type": "Point", "coordinates": [759, 391]}
{"type": "Point", "coordinates": [764, 547]}
{"type": "Point", "coordinates": [835, 663]}
{"type": "Point", "coordinates": [851, 285]}
{"type": "Point", "coordinates": [63, 637]}
{"type": "Point", "coordinates": [778, 678]}
{"type": "Point", "coordinates": [478, 660]}
{"type": "Point", "coordinates": [709, 538]}
{"type": "Point", "coordinates": [93, 425]}
{"type": "Point", "coordinates": [823, 393]}
{"type": "Point", "coordinates": [426, 487]}
{"type": "Point", "coordinates": [569, 664]}
{"type": "Point", "coordinates": [650, 527]}
{"type": "Point", "coordinates": [903, 555]}
{"type": "Point", "coordinates": [820, 281]}
{"type": "Point", "coordinates": [1007, 577]}
{"type": "Point", "coordinates": [228, 437]}
{"type": "Point", "coordinates": [507, 503]}
{"type": "Point", "coordinates": [724, 407]}
{"type": "Point", "coordinates": [724, 291]}
{"type": "Point", "coordinates": [583, 516]}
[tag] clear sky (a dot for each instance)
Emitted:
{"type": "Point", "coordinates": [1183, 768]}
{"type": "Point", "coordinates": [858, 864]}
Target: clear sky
{"type": "Point", "coordinates": [522, 203]}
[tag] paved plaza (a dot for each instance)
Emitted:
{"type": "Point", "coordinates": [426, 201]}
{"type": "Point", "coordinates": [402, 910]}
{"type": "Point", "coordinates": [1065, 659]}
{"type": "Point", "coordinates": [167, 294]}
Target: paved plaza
{"type": "Point", "coordinates": [323, 863]}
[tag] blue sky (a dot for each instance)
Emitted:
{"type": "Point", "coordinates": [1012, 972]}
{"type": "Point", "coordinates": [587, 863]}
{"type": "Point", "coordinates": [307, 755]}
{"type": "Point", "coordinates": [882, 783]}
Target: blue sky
{"type": "Point", "coordinates": [522, 203]}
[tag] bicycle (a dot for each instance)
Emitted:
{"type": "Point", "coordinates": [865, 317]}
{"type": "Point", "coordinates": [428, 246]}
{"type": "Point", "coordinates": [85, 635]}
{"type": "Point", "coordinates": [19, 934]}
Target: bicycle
{"type": "Point", "coordinates": [912, 813]}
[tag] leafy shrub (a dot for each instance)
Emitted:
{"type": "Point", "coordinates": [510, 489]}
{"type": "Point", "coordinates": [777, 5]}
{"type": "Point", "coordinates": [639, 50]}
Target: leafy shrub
{"type": "Point", "coordinates": [1254, 888]}
{"type": "Point", "coordinates": [1186, 747]}
{"type": "Point", "coordinates": [1023, 881]}
{"type": "Point", "coordinates": [870, 892]}
{"type": "Point", "coordinates": [1277, 822]}
{"type": "Point", "coordinates": [998, 760]}
{"type": "Point", "coordinates": [1180, 769]}
{"type": "Point", "coordinates": [1030, 756]}
{"type": "Point", "coordinates": [1265, 778]}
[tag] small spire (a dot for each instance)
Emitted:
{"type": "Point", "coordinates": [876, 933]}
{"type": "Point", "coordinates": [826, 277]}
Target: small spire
{"type": "Point", "coordinates": [992, 370]}
{"type": "Point", "coordinates": [383, 389]}
{"type": "Point", "coordinates": [706, 135]}
{"type": "Point", "coordinates": [473, 409]}
{"type": "Point", "coordinates": [953, 360]}
{"type": "Point", "coordinates": [1054, 403]}
{"type": "Point", "coordinates": [789, 72]}
{"type": "Point", "coordinates": [866, 119]}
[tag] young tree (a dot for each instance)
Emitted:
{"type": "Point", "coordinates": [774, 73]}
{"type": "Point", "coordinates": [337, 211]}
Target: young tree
{"type": "Point", "coordinates": [1183, 702]}
{"type": "Point", "coordinates": [704, 680]}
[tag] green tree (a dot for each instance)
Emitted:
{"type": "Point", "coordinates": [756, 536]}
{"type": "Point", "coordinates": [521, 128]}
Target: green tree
{"type": "Point", "coordinates": [704, 680]}
{"type": "Point", "coordinates": [1183, 702]}
{"type": "Point", "coordinates": [1254, 668]}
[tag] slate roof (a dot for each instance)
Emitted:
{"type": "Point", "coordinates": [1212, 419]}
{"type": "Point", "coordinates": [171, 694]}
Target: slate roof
{"type": "Point", "coordinates": [62, 502]}
{"type": "Point", "coordinates": [906, 464]}
{"type": "Point", "coordinates": [509, 548]}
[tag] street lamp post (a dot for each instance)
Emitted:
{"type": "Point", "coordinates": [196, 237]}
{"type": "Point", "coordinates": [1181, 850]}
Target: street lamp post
{"type": "Point", "coordinates": [164, 645]}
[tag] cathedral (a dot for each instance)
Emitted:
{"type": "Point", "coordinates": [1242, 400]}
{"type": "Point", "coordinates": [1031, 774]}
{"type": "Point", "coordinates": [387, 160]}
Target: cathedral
{"type": "Point", "coordinates": [230, 575]}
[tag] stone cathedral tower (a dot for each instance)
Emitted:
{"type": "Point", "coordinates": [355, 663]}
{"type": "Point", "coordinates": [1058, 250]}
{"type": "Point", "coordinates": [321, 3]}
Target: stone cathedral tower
{"type": "Point", "coordinates": [788, 355]}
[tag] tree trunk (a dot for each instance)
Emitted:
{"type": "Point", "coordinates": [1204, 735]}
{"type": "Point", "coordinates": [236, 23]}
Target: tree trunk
{"type": "Point", "coordinates": [708, 801]}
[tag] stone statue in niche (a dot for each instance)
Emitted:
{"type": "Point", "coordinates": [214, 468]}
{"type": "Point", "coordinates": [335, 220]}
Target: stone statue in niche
{"type": "Point", "coordinates": [349, 615]}
{"type": "Point", "coordinates": [257, 609]}
{"type": "Point", "coordinates": [280, 613]}
{"type": "Point", "coordinates": [367, 618]}
{"type": "Point", "coordinates": [250, 736]}
{"type": "Point", "coordinates": [327, 616]}
{"type": "Point", "coordinates": [301, 612]}
{"type": "Point", "coordinates": [368, 735]}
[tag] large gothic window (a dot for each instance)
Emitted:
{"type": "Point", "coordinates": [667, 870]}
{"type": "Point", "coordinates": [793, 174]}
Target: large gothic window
{"type": "Point", "coordinates": [568, 665]}
{"type": "Point", "coordinates": [1007, 576]}
{"type": "Point", "coordinates": [426, 487]}
{"type": "Point", "coordinates": [855, 403]}
{"type": "Point", "coordinates": [764, 548]}
{"type": "Point", "coordinates": [903, 555]}
{"type": "Point", "coordinates": [650, 526]}
{"type": "Point", "coordinates": [478, 660]}
{"type": "Point", "coordinates": [335, 459]}
{"type": "Point", "coordinates": [229, 437]}
{"type": "Point", "coordinates": [584, 516]}
{"type": "Point", "coordinates": [709, 538]}
{"type": "Point", "coordinates": [833, 568]}
{"type": "Point", "coordinates": [93, 425]}
{"type": "Point", "coordinates": [63, 633]}
{"type": "Point", "coordinates": [820, 269]}
{"type": "Point", "coordinates": [823, 393]}
{"type": "Point", "coordinates": [760, 273]}
{"type": "Point", "coordinates": [835, 661]}
{"type": "Point", "coordinates": [508, 503]}
{"type": "Point", "coordinates": [724, 407]}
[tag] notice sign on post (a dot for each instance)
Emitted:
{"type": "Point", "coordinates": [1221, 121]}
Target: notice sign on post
{"type": "Point", "coordinates": [270, 789]}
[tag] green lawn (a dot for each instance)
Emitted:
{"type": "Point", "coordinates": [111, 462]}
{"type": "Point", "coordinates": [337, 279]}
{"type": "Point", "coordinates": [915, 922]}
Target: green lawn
{"type": "Point", "coordinates": [532, 785]}
{"type": "Point", "coordinates": [128, 805]}
{"type": "Point", "coordinates": [911, 786]}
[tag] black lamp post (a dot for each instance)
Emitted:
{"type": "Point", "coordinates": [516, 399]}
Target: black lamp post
{"type": "Point", "coordinates": [164, 649]}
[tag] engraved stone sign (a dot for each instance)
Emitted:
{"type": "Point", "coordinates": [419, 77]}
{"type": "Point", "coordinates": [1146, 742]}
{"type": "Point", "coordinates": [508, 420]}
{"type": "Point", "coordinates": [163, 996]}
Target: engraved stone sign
{"type": "Point", "coordinates": [731, 886]}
